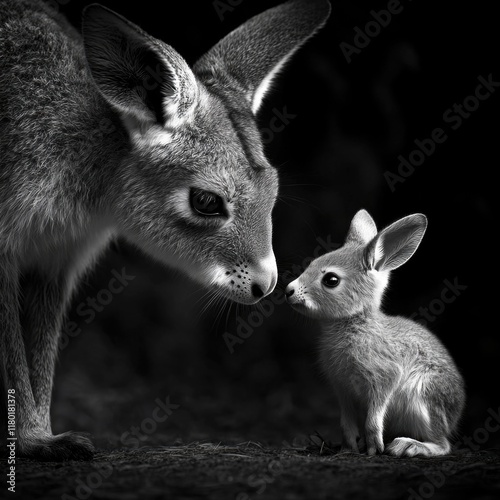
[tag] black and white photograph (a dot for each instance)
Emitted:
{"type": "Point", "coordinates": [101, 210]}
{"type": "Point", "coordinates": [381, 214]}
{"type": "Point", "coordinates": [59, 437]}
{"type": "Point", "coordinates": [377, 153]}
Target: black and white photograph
{"type": "Point", "coordinates": [248, 250]}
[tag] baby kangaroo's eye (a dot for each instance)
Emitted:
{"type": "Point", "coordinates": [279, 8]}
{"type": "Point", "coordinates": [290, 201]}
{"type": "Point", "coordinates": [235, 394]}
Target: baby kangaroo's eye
{"type": "Point", "coordinates": [206, 203]}
{"type": "Point", "coordinates": [330, 280]}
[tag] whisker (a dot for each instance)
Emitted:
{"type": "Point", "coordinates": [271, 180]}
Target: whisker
{"type": "Point", "coordinates": [223, 305]}
{"type": "Point", "coordinates": [229, 312]}
{"type": "Point", "coordinates": [204, 296]}
{"type": "Point", "coordinates": [298, 199]}
{"type": "Point", "coordinates": [214, 295]}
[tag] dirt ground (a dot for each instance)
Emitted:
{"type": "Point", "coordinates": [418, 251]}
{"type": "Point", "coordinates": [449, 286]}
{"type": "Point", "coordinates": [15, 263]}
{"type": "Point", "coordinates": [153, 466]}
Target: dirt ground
{"type": "Point", "coordinates": [249, 470]}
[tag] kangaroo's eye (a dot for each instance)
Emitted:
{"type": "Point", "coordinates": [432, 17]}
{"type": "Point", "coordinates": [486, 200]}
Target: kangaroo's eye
{"type": "Point", "coordinates": [330, 280]}
{"type": "Point", "coordinates": [206, 203]}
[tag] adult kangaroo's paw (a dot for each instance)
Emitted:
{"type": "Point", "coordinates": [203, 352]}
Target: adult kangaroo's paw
{"type": "Point", "coordinates": [60, 448]}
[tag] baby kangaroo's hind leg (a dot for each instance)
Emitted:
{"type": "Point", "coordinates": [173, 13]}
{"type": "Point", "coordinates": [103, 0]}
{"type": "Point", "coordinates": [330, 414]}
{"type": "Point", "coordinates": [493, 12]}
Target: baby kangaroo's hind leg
{"type": "Point", "coordinates": [432, 426]}
{"type": "Point", "coordinates": [435, 415]}
{"type": "Point", "coordinates": [408, 447]}
{"type": "Point", "coordinates": [45, 302]}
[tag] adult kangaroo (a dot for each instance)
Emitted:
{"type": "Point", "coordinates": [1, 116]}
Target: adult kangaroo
{"type": "Point", "coordinates": [111, 133]}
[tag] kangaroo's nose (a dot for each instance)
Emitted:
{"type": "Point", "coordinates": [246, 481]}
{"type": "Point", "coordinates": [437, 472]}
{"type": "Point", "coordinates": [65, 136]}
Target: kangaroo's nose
{"type": "Point", "coordinates": [265, 278]}
{"type": "Point", "coordinates": [289, 292]}
{"type": "Point", "coordinates": [257, 291]}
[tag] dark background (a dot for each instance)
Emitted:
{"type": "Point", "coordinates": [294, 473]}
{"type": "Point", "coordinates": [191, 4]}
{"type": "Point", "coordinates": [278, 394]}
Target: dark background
{"type": "Point", "coordinates": [352, 121]}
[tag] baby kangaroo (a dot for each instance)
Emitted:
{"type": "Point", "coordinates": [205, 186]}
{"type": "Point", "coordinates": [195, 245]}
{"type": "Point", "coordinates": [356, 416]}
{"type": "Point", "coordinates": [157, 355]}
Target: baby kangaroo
{"type": "Point", "coordinates": [395, 381]}
{"type": "Point", "coordinates": [111, 133]}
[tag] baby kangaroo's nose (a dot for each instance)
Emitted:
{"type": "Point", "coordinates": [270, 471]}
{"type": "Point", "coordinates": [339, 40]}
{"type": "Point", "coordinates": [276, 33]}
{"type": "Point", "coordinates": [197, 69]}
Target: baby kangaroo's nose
{"type": "Point", "coordinates": [289, 291]}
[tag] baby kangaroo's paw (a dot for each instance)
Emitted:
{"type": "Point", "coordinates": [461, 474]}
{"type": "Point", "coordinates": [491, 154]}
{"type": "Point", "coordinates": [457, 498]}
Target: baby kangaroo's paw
{"type": "Point", "coordinates": [60, 448]}
{"type": "Point", "coordinates": [374, 444]}
{"type": "Point", "coordinates": [407, 447]}
{"type": "Point", "coordinates": [348, 449]}
{"type": "Point", "coordinates": [362, 445]}
{"type": "Point", "coordinates": [349, 443]}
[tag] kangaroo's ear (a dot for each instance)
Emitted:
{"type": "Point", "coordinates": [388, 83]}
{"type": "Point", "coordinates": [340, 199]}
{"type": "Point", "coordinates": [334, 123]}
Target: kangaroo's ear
{"type": "Point", "coordinates": [362, 229]}
{"type": "Point", "coordinates": [251, 56]}
{"type": "Point", "coordinates": [144, 78]}
{"type": "Point", "coordinates": [395, 244]}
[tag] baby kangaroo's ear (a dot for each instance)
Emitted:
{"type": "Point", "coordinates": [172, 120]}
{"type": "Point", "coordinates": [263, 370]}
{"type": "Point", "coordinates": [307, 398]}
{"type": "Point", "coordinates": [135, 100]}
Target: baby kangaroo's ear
{"type": "Point", "coordinates": [249, 58]}
{"type": "Point", "coordinates": [362, 229]}
{"type": "Point", "coordinates": [144, 78]}
{"type": "Point", "coordinates": [395, 244]}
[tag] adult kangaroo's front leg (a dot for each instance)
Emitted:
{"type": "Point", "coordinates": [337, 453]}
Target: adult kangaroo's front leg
{"type": "Point", "coordinates": [44, 306]}
{"type": "Point", "coordinates": [34, 440]}
{"type": "Point", "coordinates": [15, 373]}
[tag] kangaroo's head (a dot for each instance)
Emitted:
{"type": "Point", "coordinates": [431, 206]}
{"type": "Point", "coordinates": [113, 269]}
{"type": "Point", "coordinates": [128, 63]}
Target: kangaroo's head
{"type": "Point", "coordinates": [353, 278]}
{"type": "Point", "coordinates": [196, 190]}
